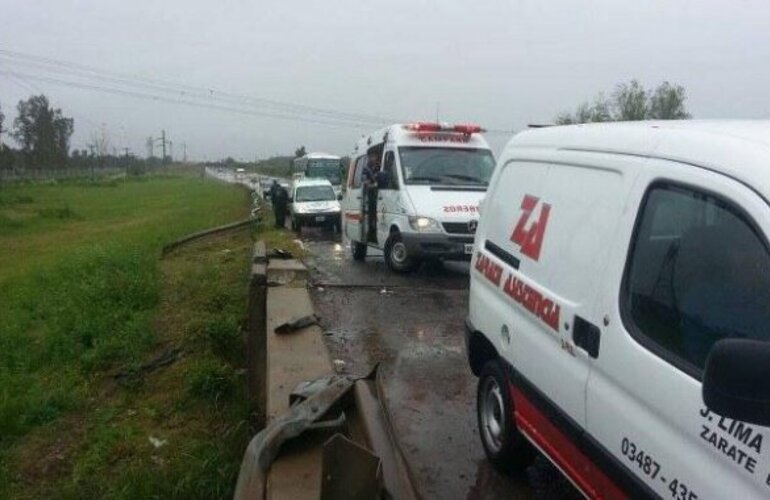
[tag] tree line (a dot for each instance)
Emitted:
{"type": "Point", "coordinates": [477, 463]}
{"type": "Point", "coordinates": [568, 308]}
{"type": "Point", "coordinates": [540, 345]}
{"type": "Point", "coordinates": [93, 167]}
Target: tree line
{"type": "Point", "coordinates": [43, 135]}
{"type": "Point", "coordinates": [631, 102]}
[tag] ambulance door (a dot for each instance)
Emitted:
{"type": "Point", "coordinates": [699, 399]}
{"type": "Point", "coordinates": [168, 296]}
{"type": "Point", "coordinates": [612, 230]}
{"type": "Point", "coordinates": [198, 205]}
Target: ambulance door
{"type": "Point", "coordinates": [352, 203]}
{"type": "Point", "coordinates": [388, 195]}
{"type": "Point", "coordinates": [690, 266]}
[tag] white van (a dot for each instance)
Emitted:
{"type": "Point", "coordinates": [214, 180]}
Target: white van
{"type": "Point", "coordinates": [427, 205]}
{"type": "Point", "coordinates": [620, 308]}
{"type": "Point", "coordinates": [312, 202]}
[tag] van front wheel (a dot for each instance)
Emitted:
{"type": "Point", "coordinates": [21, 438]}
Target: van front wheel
{"type": "Point", "coordinates": [397, 255]}
{"type": "Point", "coordinates": [506, 448]}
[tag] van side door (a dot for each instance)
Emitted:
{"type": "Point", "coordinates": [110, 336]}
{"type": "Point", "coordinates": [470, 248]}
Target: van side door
{"type": "Point", "coordinates": [548, 222]}
{"type": "Point", "coordinates": [388, 199]}
{"type": "Point", "coordinates": [352, 203]}
{"type": "Point", "coordinates": [690, 266]}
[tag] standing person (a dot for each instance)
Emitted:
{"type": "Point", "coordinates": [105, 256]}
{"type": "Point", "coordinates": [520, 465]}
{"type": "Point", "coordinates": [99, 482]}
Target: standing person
{"type": "Point", "coordinates": [369, 176]}
{"type": "Point", "coordinates": [271, 191]}
{"type": "Point", "coordinates": [280, 199]}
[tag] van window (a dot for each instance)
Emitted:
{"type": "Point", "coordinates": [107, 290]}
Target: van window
{"type": "Point", "coordinates": [697, 273]}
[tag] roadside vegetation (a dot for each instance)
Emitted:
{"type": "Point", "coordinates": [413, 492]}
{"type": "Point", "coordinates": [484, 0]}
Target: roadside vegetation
{"type": "Point", "coordinates": [121, 374]}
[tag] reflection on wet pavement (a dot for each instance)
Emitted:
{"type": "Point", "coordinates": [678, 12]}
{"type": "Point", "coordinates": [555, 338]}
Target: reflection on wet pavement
{"type": "Point", "coordinates": [413, 325]}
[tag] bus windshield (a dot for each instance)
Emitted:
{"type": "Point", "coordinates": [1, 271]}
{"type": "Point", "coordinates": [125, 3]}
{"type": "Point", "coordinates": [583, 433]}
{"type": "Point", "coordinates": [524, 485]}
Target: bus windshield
{"type": "Point", "coordinates": [328, 169]}
{"type": "Point", "coordinates": [431, 165]}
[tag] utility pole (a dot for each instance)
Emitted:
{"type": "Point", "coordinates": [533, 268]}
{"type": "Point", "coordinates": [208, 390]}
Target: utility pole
{"type": "Point", "coordinates": [171, 150]}
{"type": "Point", "coordinates": [184, 155]}
{"type": "Point", "coordinates": [92, 147]}
{"type": "Point", "coordinates": [125, 152]}
{"type": "Point", "coordinates": [163, 139]}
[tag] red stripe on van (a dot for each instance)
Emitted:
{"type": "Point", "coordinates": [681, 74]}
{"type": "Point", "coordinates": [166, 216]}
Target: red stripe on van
{"type": "Point", "coordinates": [559, 448]}
{"type": "Point", "coordinates": [353, 216]}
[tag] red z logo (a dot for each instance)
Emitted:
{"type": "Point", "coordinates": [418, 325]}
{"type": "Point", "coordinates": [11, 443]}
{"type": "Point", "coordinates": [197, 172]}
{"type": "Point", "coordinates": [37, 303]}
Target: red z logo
{"type": "Point", "coordinates": [531, 239]}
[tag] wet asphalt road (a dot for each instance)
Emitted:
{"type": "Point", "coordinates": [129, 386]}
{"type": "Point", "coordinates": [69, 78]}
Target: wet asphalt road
{"type": "Point", "coordinates": [414, 325]}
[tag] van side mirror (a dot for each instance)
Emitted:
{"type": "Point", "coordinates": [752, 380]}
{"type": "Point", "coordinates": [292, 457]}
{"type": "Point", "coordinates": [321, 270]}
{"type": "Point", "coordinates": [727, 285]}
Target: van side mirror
{"type": "Point", "coordinates": [735, 380]}
{"type": "Point", "coordinates": [339, 197]}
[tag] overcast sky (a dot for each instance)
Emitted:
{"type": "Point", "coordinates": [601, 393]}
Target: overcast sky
{"type": "Point", "coordinates": [502, 64]}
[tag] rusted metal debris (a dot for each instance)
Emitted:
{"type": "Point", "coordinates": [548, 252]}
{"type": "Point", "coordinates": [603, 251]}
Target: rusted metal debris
{"type": "Point", "coordinates": [279, 253]}
{"type": "Point", "coordinates": [297, 324]}
{"type": "Point", "coordinates": [362, 460]}
{"type": "Point", "coordinates": [264, 447]}
{"type": "Point", "coordinates": [350, 471]}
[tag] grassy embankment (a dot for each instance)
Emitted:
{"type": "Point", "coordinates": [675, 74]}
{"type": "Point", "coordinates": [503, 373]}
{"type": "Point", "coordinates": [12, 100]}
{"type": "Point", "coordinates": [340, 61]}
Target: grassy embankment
{"type": "Point", "coordinates": [86, 304]}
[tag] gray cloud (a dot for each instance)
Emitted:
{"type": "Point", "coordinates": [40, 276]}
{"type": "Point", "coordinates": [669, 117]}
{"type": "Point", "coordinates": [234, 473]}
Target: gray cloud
{"type": "Point", "coordinates": [501, 64]}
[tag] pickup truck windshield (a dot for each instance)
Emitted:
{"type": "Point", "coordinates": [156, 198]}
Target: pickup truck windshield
{"type": "Point", "coordinates": [431, 165]}
{"type": "Point", "coordinates": [314, 193]}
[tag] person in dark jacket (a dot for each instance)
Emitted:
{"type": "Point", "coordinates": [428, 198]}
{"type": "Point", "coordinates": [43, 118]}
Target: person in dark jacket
{"type": "Point", "coordinates": [280, 199]}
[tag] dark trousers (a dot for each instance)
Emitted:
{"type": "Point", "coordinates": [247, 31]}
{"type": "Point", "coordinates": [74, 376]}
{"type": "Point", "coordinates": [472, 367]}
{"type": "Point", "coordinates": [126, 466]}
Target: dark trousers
{"type": "Point", "coordinates": [280, 215]}
{"type": "Point", "coordinates": [371, 213]}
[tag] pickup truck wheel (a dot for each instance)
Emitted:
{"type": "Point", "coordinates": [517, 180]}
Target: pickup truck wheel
{"type": "Point", "coordinates": [506, 448]}
{"type": "Point", "coordinates": [358, 250]}
{"type": "Point", "coordinates": [296, 225]}
{"type": "Point", "coordinates": [397, 255]}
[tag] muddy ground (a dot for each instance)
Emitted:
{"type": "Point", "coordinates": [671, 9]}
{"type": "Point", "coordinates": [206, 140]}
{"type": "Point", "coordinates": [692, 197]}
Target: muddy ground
{"type": "Point", "coordinates": [413, 326]}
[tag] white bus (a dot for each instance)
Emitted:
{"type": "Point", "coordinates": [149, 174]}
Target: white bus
{"type": "Point", "coordinates": [319, 166]}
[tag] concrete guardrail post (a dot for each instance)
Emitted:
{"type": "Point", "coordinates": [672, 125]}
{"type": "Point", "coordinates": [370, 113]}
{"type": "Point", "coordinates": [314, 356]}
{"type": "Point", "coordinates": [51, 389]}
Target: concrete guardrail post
{"type": "Point", "coordinates": [256, 335]}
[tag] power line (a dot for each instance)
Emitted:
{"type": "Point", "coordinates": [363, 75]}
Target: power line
{"type": "Point", "coordinates": [57, 66]}
{"type": "Point", "coordinates": [178, 93]}
{"type": "Point", "coordinates": [155, 97]}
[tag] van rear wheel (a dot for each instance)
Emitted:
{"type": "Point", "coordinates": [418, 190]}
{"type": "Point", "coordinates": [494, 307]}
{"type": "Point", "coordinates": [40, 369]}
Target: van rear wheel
{"type": "Point", "coordinates": [358, 250]}
{"type": "Point", "coordinates": [397, 255]}
{"type": "Point", "coordinates": [506, 448]}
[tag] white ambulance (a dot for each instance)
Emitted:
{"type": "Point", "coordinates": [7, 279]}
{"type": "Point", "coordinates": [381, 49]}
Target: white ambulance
{"type": "Point", "coordinates": [433, 177]}
{"type": "Point", "coordinates": [620, 308]}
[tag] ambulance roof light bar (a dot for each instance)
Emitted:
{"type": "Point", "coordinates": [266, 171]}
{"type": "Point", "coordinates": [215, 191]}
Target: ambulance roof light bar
{"type": "Point", "coordinates": [423, 127]}
{"type": "Point", "coordinates": [466, 129]}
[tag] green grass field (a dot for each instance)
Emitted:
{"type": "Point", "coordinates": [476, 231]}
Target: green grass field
{"type": "Point", "coordinates": [85, 302]}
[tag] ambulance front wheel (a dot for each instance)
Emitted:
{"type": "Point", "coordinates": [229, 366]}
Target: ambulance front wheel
{"type": "Point", "coordinates": [506, 448]}
{"type": "Point", "coordinates": [397, 254]}
{"type": "Point", "coordinates": [358, 250]}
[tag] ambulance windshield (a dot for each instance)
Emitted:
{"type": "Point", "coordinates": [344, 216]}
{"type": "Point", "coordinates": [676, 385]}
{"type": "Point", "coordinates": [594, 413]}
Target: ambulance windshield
{"type": "Point", "coordinates": [450, 166]}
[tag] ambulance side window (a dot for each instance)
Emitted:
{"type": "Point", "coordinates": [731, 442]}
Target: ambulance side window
{"type": "Point", "coordinates": [697, 272]}
{"type": "Point", "coordinates": [359, 167]}
{"type": "Point", "coordinates": [389, 169]}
